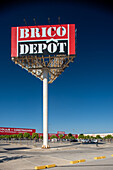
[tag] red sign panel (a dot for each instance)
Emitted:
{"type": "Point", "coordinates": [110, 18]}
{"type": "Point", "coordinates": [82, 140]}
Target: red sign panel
{"type": "Point", "coordinates": [43, 40]}
{"type": "Point", "coordinates": [11, 131]}
{"type": "Point", "coordinates": [75, 135]}
{"type": "Point", "coordinates": [60, 132]}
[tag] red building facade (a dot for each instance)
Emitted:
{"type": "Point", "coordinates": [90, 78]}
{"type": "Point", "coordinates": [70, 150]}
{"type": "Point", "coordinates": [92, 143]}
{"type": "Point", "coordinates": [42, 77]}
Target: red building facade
{"type": "Point", "coordinates": [12, 131]}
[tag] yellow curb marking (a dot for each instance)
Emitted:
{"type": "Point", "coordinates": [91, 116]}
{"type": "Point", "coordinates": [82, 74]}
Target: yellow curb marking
{"type": "Point", "coordinates": [77, 161]}
{"type": "Point", "coordinates": [83, 160]}
{"type": "Point", "coordinates": [45, 166]}
{"type": "Point", "coordinates": [50, 166]}
{"type": "Point", "coordinates": [100, 157]}
{"type": "Point", "coordinates": [40, 167]}
{"type": "Point", "coordinates": [74, 162]}
{"type": "Point", "coordinates": [97, 157]}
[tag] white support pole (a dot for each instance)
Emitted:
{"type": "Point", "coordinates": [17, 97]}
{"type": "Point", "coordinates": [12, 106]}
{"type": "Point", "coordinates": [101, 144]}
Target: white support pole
{"type": "Point", "coordinates": [45, 109]}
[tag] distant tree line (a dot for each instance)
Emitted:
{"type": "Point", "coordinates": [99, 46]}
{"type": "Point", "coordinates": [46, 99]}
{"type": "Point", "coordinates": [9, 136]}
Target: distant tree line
{"type": "Point", "coordinates": [82, 136]}
{"type": "Point", "coordinates": [61, 136]}
{"type": "Point", "coordinates": [20, 136]}
{"type": "Point", "coordinates": [35, 136]}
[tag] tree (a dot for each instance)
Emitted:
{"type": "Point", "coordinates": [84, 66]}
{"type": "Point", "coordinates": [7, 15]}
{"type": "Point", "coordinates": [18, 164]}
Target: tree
{"type": "Point", "coordinates": [20, 135]}
{"type": "Point", "coordinates": [87, 137]}
{"type": "Point", "coordinates": [69, 135]}
{"type": "Point", "coordinates": [15, 136]}
{"type": "Point", "coordinates": [98, 137]}
{"type": "Point", "coordinates": [81, 136]}
{"type": "Point", "coordinates": [8, 137]}
{"type": "Point", "coordinates": [72, 137]}
{"type": "Point", "coordinates": [61, 136]}
{"type": "Point", "coordinates": [53, 136]}
{"type": "Point", "coordinates": [92, 137]}
{"type": "Point", "coordinates": [41, 137]}
{"type": "Point", "coordinates": [11, 136]}
{"type": "Point", "coordinates": [108, 137]}
{"type": "Point", "coordinates": [30, 137]}
{"type": "Point", "coordinates": [26, 135]}
{"type": "Point", "coordinates": [66, 137]}
{"type": "Point", "coordinates": [1, 137]}
{"type": "Point", "coordinates": [35, 135]}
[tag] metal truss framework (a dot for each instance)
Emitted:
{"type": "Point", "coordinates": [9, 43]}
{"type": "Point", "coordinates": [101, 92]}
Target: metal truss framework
{"type": "Point", "coordinates": [35, 65]}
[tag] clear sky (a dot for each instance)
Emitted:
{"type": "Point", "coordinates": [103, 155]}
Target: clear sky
{"type": "Point", "coordinates": [81, 99]}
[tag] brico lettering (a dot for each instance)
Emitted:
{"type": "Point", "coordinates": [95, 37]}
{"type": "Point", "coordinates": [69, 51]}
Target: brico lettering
{"type": "Point", "coordinates": [42, 32]}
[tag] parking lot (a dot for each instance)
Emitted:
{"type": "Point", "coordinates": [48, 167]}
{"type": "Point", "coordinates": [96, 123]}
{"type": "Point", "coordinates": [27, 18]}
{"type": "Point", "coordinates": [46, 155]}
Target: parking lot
{"type": "Point", "coordinates": [26, 157]}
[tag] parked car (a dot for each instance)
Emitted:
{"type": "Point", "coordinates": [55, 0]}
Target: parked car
{"type": "Point", "coordinates": [73, 140]}
{"type": "Point", "coordinates": [94, 141]}
{"type": "Point", "coordinates": [85, 140]}
{"type": "Point", "coordinates": [54, 140]}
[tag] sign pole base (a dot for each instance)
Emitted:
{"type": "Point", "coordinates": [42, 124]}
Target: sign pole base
{"type": "Point", "coordinates": [45, 147]}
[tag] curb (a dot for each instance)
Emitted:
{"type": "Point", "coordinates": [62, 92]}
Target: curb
{"type": "Point", "coordinates": [50, 166]}
{"type": "Point", "coordinates": [77, 161]}
{"type": "Point", "coordinates": [100, 157]}
{"type": "Point", "coordinates": [74, 162]}
{"type": "Point", "coordinates": [40, 167]}
{"type": "Point", "coordinates": [82, 160]}
{"type": "Point", "coordinates": [45, 166]}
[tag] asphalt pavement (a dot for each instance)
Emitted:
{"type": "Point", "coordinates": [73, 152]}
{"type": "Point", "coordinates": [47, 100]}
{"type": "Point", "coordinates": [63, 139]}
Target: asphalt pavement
{"type": "Point", "coordinates": [26, 157]}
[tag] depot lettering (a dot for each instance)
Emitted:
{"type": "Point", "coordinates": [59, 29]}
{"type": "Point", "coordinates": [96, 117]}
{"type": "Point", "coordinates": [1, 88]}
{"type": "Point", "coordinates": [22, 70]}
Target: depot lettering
{"type": "Point", "coordinates": [43, 47]}
{"type": "Point", "coordinates": [42, 32]}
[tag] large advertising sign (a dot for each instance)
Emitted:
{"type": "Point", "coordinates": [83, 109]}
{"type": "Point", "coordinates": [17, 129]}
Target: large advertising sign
{"type": "Point", "coordinates": [11, 131]}
{"type": "Point", "coordinates": [43, 40]}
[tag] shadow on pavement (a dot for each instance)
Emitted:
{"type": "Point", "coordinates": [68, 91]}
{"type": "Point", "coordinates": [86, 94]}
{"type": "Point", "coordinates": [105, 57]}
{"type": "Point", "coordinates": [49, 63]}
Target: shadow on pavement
{"type": "Point", "coordinates": [99, 143]}
{"type": "Point", "coordinates": [13, 158]}
{"type": "Point", "coordinates": [74, 143]}
{"type": "Point", "coordinates": [4, 144]}
{"type": "Point", "coordinates": [20, 148]}
{"type": "Point", "coordinates": [63, 146]}
{"type": "Point", "coordinates": [2, 156]}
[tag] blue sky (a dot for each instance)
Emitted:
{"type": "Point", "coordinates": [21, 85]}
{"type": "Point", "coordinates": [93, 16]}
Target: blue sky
{"type": "Point", "coordinates": [81, 99]}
